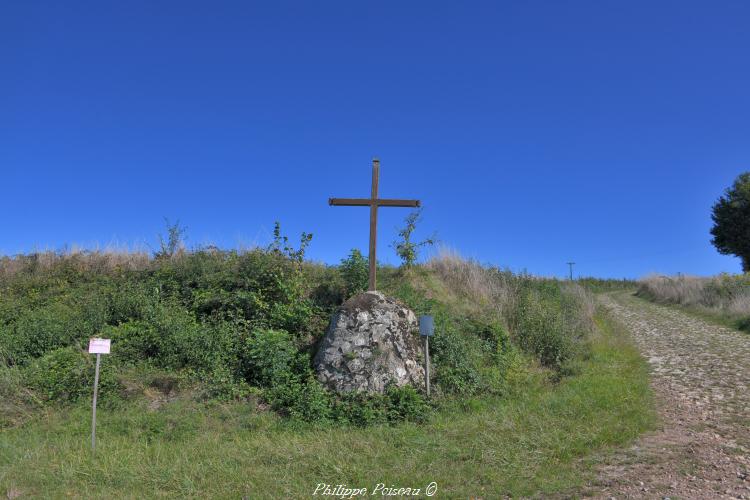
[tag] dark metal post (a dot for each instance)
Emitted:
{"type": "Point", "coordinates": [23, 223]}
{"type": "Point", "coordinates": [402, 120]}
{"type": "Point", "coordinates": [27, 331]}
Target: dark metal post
{"type": "Point", "coordinates": [570, 264]}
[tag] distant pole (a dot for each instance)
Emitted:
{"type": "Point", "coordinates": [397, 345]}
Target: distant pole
{"type": "Point", "coordinates": [570, 264]}
{"type": "Point", "coordinates": [96, 393]}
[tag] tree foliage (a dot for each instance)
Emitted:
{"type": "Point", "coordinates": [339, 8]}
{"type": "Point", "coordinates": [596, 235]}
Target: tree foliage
{"type": "Point", "coordinates": [731, 217]}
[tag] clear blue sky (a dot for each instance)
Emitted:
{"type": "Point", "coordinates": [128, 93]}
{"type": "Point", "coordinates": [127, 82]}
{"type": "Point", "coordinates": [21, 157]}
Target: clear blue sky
{"type": "Point", "coordinates": [534, 132]}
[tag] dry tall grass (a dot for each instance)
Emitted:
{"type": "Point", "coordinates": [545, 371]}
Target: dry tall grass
{"type": "Point", "coordinates": [487, 285]}
{"type": "Point", "coordinates": [493, 286]}
{"type": "Point", "coordinates": [585, 300]}
{"type": "Point", "coordinates": [724, 293]}
{"type": "Point", "coordinates": [102, 261]}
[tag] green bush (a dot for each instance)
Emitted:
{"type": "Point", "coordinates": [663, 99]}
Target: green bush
{"type": "Point", "coordinates": [405, 403]}
{"type": "Point", "coordinates": [361, 409]}
{"type": "Point", "coordinates": [268, 357]}
{"type": "Point", "coordinates": [133, 342]}
{"type": "Point", "coordinates": [492, 334]}
{"type": "Point", "coordinates": [223, 385]}
{"type": "Point", "coordinates": [355, 270]}
{"type": "Point", "coordinates": [44, 329]}
{"type": "Point", "coordinates": [398, 404]}
{"type": "Point", "coordinates": [172, 338]}
{"type": "Point", "coordinates": [129, 300]}
{"type": "Point", "coordinates": [550, 324]}
{"type": "Point", "coordinates": [457, 358]}
{"type": "Point", "coordinates": [301, 398]}
{"type": "Point", "coordinates": [329, 289]}
{"type": "Point", "coordinates": [67, 375]}
{"type": "Point", "coordinates": [183, 342]}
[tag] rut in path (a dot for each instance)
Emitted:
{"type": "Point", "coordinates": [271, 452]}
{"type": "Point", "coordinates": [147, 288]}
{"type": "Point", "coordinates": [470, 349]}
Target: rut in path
{"type": "Point", "coordinates": [701, 381]}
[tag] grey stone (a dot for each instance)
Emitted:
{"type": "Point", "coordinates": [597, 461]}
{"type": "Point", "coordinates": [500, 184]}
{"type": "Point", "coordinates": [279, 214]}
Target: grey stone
{"type": "Point", "coordinates": [372, 341]}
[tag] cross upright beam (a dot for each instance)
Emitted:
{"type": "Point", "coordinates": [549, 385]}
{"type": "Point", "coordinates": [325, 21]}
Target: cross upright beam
{"type": "Point", "coordinates": [373, 202]}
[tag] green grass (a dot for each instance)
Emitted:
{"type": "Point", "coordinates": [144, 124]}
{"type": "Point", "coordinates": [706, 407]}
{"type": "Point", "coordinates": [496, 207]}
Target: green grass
{"type": "Point", "coordinates": [541, 439]}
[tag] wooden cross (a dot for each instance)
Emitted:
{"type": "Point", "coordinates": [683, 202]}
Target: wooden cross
{"type": "Point", "coordinates": [373, 202]}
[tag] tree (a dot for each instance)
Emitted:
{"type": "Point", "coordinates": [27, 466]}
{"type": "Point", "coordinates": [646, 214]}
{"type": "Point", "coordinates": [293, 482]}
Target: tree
{"type": "Point", "coordinates": [731, 216]}
{"type": "Point", "coordinates": [405, 248]}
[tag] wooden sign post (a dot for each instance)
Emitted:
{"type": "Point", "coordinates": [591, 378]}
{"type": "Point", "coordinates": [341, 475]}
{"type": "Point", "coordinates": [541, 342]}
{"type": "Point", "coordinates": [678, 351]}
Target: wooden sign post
{"type": "Point", "coordinates": [373, 202]}
{"type": "Point", "coordinates": [98, 347]}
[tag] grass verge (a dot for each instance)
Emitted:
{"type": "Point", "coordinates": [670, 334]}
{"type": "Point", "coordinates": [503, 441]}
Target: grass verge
{"type": "Point", "coordinates": [540, 439]}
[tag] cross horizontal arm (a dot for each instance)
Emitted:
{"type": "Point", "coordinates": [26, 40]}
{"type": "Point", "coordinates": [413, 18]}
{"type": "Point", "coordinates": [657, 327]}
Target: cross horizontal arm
{"type": "Point", "coordinates": [398, 203]}
{"type": "Point", "coordinates": [366, 202]}
{"type": "Point", "coordinates": [350, 202]}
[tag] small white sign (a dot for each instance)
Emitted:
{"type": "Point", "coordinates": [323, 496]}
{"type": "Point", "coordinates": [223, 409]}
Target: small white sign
{"type": "Point", "coordinates": [99, 346]}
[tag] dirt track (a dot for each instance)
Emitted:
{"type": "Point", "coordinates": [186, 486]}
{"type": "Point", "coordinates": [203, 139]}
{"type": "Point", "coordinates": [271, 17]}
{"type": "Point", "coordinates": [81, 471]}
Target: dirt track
{"type": "Point", "coordinates": [701, 380]}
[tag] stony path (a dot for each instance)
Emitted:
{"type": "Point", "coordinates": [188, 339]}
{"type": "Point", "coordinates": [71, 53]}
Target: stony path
{"type": "Point", "coordinates": [701, 381]}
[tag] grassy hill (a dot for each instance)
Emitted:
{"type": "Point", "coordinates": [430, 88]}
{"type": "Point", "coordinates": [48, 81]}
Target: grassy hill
{"type": "Point", "coordinates": [209, 388]}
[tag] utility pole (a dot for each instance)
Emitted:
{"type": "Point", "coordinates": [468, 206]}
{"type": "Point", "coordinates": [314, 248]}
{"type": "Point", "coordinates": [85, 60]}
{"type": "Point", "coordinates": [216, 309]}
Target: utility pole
{"type": "Point", "coordinates": [570, 264]}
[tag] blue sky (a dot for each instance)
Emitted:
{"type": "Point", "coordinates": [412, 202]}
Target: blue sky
{"type": "Point", "coordinates": [534, 132]}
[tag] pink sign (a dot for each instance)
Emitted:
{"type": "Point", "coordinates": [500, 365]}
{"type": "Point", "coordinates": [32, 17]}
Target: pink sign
{"type": "Point", "coordinates": [99, 346]}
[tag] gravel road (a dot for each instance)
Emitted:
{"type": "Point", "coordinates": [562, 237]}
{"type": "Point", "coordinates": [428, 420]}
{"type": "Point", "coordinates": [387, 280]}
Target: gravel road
{"type": "Point", "coordinates": [701, 382]}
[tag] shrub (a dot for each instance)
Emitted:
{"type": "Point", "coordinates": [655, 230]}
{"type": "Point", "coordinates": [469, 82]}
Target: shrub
{"type": "Point", "coordinates": [398, 404]}
{"type": "Point", "coordinates": [361, 409]}
{"type": "Point", "coordinates": [301, 398]}
{"type": "Point", "coordinates": [541, 328]}
{"type": "Point", "coordinates": [67, 374]}
{"type": "Point", "coordinates": [172, 338]}
{"type": "Point", "coordinates": [44, 329]}
{"type": "Point", "coordinates": [552, 321]}
{"type": "Point", "coordinates": [130, 300]}
{"type": "Point", "coordinates": [329, 290]}
{"type": "Point", "coordinates": [180, 340]}
{"type": "Point", "coordinates": [268, 357]}
{"type": "Point", "coordinates": [221, 384]}
{"type": "Point", "coordinates": [355, 270]}
{"type": "Point", "coordinates": [405, 403]}
{"type": "Point", "coordinates": [493, 335]}
{"type": "Point", "coordinates": [456, 360]}
{"type": "Point", "coordinates": [133, 342]}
